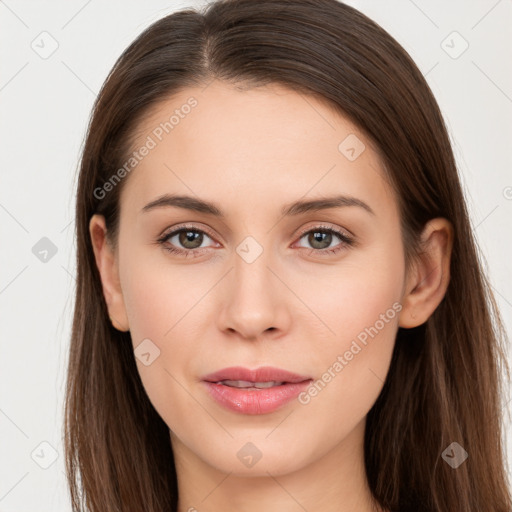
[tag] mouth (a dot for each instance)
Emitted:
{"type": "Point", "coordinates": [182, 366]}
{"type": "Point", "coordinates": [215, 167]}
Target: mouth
{"type": "Point", "coordinates": [244, 384]}
{"type": "Point", "coordinates": [238, 376]}
{"type": "Point", "coordinates": [258, 391]}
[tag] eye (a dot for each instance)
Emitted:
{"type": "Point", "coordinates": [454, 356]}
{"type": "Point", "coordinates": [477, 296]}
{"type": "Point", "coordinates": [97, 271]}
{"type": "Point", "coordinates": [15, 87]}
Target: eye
{"type": "Point", "coordinates": [321, 238]}
{"type": "Point", "coordinates": [188, 241]}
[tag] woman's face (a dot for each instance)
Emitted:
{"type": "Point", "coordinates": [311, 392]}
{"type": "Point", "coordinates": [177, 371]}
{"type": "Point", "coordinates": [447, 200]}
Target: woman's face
{"type": "Point", "coordinates": [258, 282]}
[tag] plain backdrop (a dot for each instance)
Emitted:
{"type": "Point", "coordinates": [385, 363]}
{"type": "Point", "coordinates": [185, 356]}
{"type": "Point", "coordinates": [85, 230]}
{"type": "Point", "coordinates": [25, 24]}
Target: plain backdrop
{"type": "Point", "coordinates": [55, 55]}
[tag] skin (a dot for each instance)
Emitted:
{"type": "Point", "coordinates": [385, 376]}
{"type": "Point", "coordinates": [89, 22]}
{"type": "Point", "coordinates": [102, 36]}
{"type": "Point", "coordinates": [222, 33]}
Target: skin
{"type": "Point", "coordinates": [251, 152]}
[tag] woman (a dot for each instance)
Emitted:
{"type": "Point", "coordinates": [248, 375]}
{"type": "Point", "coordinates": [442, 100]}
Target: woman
{"type": "Point", "coordinates": [279, 299]}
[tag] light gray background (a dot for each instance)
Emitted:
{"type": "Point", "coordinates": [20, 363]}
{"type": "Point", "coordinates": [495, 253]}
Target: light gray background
{"type": "Point", "coordinates": [45, 105]}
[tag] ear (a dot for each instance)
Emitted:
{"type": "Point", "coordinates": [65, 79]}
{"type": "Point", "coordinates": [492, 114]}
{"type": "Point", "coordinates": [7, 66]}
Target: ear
{"type": "Point", "coordinates": [107, 264]}
{"type": "Point", "coordinates": [428, 280]}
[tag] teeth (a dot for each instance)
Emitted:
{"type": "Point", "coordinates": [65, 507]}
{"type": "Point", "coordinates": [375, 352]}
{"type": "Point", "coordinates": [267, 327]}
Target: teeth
{"type": "Point", "coordinates": [247, 384]}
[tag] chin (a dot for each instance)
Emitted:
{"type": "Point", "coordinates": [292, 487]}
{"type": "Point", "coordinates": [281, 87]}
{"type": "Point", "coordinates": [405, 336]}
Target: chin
{"type": "Point", "coordinates": [258, 458]}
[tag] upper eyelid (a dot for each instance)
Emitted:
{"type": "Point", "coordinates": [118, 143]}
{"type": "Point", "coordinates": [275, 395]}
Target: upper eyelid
{"type": "Point", "coordinates": [326, 226]}
{"type": "Point", "coordinates": [174, 231]}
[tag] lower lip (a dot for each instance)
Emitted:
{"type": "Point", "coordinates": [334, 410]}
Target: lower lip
{"type": "Point", "coordinates": [255, 401]}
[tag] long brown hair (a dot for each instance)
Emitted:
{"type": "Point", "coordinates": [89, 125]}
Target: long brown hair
{"type": "Point", "coordinates": [444, 383]}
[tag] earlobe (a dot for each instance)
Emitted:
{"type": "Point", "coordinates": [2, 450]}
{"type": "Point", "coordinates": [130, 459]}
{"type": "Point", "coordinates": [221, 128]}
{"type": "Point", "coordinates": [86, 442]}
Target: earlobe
{"type": "Point", "coordinates": [429, 280]}
{"type": "Point", "coordinates": [108, 269]}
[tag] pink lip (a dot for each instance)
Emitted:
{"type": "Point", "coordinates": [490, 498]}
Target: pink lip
{"type": "Point", "coordinates": [262, 374]}
{"type": "Point", "coordinates": [255, 401]}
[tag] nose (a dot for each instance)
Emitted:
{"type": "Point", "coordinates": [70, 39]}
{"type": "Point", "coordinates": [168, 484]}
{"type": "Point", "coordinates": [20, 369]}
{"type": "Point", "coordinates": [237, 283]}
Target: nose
{"type": "Point", "coordinates": [256, 302]}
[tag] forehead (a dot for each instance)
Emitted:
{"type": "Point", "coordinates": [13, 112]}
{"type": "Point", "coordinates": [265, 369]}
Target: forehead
{"type": "Point", "coordinates": [267, 144]}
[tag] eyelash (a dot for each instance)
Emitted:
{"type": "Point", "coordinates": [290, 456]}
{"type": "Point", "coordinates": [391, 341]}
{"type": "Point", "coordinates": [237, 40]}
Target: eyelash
{"type": "Point", "coordinates": [346, 241]}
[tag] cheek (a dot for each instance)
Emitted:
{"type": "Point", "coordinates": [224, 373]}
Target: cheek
{"type": "Point", "coordinates": [353, 294]}
{"type": "Point", "coordinates": [362, 307]}
{"type": "Point", "coordinates": [161, 303]}
{"type": "Point", "coordinates": [159, 296]}
{"type": "Point", "coordinates": [156, 328]}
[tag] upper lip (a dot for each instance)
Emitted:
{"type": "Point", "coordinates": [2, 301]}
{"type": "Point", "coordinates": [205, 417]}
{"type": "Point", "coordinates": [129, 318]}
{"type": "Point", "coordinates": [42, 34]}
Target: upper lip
{"type": "Point", "coordinates": [262, 374]}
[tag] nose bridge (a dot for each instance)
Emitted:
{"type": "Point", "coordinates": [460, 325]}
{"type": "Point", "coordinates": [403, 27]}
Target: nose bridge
{"type": "Point", "coordinates": [253, 303]}
{"type": "Point", "coordinates": [251, 273]}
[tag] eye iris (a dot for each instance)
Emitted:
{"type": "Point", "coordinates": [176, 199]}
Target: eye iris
{"type": "Point", "coordinates": [319, 236]}
{"type": "Point", "coordinates": [190, 236]}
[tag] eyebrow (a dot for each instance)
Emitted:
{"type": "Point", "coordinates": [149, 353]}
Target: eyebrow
{"type": "Point", "coordinates": [295, 208]}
